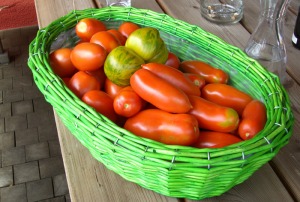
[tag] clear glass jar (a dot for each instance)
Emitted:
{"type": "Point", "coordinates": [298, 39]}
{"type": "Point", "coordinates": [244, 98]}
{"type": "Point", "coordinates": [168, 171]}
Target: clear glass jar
{"type": "Point", "coordinates": [266, 43]}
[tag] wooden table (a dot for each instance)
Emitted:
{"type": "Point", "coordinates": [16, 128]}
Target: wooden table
{"type": "Point", "coordinates": [279, 180]}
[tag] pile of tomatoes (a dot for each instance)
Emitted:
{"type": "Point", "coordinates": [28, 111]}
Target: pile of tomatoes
{"type": "Point", "coordinates": [174, 102]}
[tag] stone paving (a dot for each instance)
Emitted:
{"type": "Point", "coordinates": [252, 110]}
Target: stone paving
{"type": "Point", "coordinates": [31, 166]}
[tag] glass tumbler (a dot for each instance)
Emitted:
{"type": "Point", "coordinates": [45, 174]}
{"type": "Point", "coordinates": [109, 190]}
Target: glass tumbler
{"type": "Point", "coordinates": [222, 11]}
{"type": "Point", "coordinates": [118, 3]}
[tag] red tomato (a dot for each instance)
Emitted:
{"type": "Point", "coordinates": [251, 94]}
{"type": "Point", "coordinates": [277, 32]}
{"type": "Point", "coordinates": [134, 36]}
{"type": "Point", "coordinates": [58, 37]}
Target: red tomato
{"type": "Point", "coordinates": [118, 35]}
{"type": "Point", "coordinates": [196, 79]}
{"type": "Point", "coordinates": [159, 92]}
{"type": "Point", "coordinates": [88, 56]}
{"type": "Point", "coordinates": [112, 89]}
{"type": "Point", "coordinates": [210, 139]}
{"type": "Point", "coordinates": [212, 116]}
{"type": "Point", "coordinates": [99, 75]}
{"type": "Point", "coordinates": [101, 102]}
{"type": "Point", "coordinates": [161, 126]}
{"type": "Point", "coordinates": [253, 121]}
{"type": "Point", "coordinates": [173, 61]}
{"type": "Point", "coordinates": [87, 27]}
{"type": "Point", "coordinates": [82, 82]}
{"type": "Point", "coordinates": [173, 76]}
{"type": "Point", "coordinates": [61, 64]}
{"type": "Point", "coordinates": [106, 40]}
{"type": "Point", "coordinates": [227, 96]}
{"type": "Point", "coordinates": [128, 103]}
{"type": "Point", "coordinates": [209, 73]}
{"type": "Point", "coordinates": [126, 28]}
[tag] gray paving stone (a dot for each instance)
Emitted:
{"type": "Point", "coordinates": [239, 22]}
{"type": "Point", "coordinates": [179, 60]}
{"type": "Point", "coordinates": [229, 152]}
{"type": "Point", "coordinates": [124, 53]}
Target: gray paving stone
{"type": "Point", "coordinates": [13, 156]}
{"type": "Point", "coordinates": [54, 148]}
{"type": "Point", "coordinates": [1, 96]}
{"type": "Point", "coordinates": [15, 71]}
{"type": "Point", "coordinates": [6, 84]}
{"type": "Point", "coordinates": [15, 193]}
{"type": "Point", "coordinates": [39, 190]}
{"type": "Point", "coordinates": [40, 104]}
{"type": "Point", "coordinates": [26, 71]}
{"type": "Point", "coordinates": [68, 198]}
{"type": "Point", "coordinates": [5, 109]}
{"type": "Point", "coordinates": [13, 95]}
{"type": "Point", "coordinates": [31, 92]}
{"type": "Point", "coordinates": [56, 199]}
{"type": "Point", "coordinates": [0, 160]}
{"type": "Point", "coordinates": [23, 81]}
{"type": "Point", "coordinates": [18, 122]}
{"type": "Point", "coordinates": [51, 167]}
{"type": "Point", "coordinates": [1, 73]}
{"type": "Point", "coordinates": [39, 119]}
{"type": "Point", "coordinates": [7, 140]}
{"type": "Point", "coordinates": [22, 107]}
{"type": "Point", "coordinates": [37, 151]}
{"type": "Point", "coordinates": [60, 185]}
{"type": "Point", "coordinates": [2, 127]}
{"type": "Point", "coordinates": [26, 172]}
{"type": "Point", "coordinates": [6, 176]}
{"type": "Point", "coordinates": [26, 137]}
{"type": "Point", "coordinates": [48, 133]}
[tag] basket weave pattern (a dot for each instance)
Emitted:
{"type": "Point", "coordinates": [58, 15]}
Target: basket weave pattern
{"type": "Point", "coordinates": [176, 171]}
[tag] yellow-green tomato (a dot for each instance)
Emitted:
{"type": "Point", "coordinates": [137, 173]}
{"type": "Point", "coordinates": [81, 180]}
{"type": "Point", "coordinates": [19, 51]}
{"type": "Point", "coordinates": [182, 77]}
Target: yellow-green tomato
{"type": "Point", "coordinates": [120, 64]}
{"type": "Point", "coordinates": [148, 44]}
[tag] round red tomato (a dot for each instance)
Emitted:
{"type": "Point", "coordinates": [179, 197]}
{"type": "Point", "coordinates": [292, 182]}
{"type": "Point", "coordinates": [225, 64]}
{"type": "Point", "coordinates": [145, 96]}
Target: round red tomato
{"type": "Point", "coordinates": [82, 82]}
{"type": "Point", "coordinates": [87, 27]}
{"type": "Point", "coordinates": [128, 103]}
{"type": "Point", "coordinates": [88, 56]}
{"type": "Point", "coordinates": [101, 102]}
{"type": "Point", "coordinates": [61, 64]}
{"type": "Point", "coordinates": [173, 61]}
{"type": "Point", "coordinates": [99, 75]}
{"type": "Point", "coordinates": [126, 28]}
{"type": "Point", "coordinates": [105, 39]}
{"type": "Point", "coordinates": [118, 35]}
{"type": "Point", "coordinates": [112, 89]}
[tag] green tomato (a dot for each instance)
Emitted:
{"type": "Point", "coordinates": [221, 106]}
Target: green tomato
{"type": "Point", "coordinates": [147, 43]}
{"type": "Point", "coordinates": [120, 64]}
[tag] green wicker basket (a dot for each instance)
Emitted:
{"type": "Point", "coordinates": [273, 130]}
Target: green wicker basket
{"type": "Point", "coordinates": [175, 171]}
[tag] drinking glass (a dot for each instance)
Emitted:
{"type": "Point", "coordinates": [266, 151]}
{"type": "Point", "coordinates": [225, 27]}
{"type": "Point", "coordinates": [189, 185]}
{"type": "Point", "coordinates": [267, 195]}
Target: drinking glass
{"type": "Point", "coordinates": [118, 3]}
{"type": "Point", "coordinates": [222, 11]}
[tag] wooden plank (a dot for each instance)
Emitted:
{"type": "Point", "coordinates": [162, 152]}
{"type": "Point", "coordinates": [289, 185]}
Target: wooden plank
{"type": "Point", "coordinates": [48, 11]}
{"type": "Point", "coordinates": [233, 34]}
{"type": "Point", "coordinates": [89, 180]}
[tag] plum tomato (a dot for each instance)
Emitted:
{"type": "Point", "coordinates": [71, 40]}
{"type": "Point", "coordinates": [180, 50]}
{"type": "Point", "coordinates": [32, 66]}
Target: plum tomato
{"type": "Point", "coordinates": [173, 61]}
{"type": "Point", "coordinates": [161, 126]}
{"type": "Point", "coordinates": [82, 82]}
{"type": "Point", "coordinates": [88, 56]}
{"type": "Point", "coordinates": [105, 39]}
{"type": "Point", "coordinates": [126, 28]}
{"type": "Point", "coordinates": [226, 95]}
{"type": "Point", "coordinates": [208, 72]}
{"type": "Point", "coordinates": [101, 102]}
{"type": "Point", "coordinates": [212, 116]}
{"type": "Point", "coordinates": [61, 63]}
{"type": "Point", "coordinates": [198, 80]}
{"type": "Point", "coordinates": [212, 139]}
{"type": "Point", "coordinates": [159, 92]}
{"type": "Point", "coordinates": [253, 120]}
{"type": "Point", "coordinates": [127, 103]}
{"type": "Point", "coordinates": [87, 27]}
